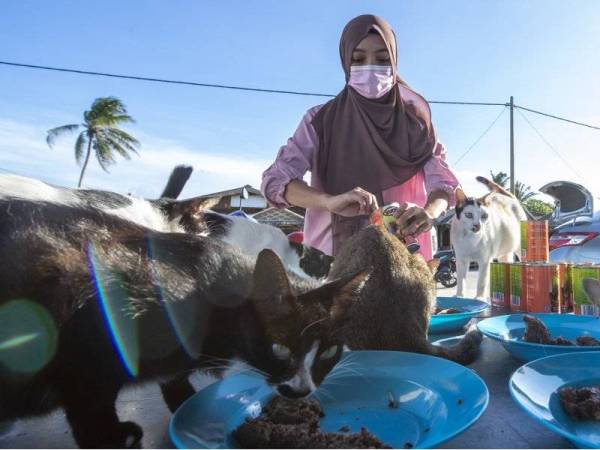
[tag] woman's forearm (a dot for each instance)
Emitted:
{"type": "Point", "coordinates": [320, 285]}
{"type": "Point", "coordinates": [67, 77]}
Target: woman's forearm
{"type": "Point", "coordinates": [299, 193]}
{"type": "Point", "coordinates": [437, 203]}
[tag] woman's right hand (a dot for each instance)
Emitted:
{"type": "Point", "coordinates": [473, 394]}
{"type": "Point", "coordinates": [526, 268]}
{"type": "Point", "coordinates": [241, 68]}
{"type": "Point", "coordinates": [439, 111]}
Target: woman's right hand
{"type": "Point", "coordinates": [356, 202]}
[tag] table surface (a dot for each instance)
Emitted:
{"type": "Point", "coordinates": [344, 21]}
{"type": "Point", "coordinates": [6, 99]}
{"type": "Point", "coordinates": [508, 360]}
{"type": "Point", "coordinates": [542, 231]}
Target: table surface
{"type": "Point", "coordinates": [503, 425]}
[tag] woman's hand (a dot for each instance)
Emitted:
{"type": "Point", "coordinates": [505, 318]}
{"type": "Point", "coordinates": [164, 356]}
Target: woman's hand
{"type": "Point", "coordinates": [412, 220]}
{"type": "Point", "coordinates": [356, 202]}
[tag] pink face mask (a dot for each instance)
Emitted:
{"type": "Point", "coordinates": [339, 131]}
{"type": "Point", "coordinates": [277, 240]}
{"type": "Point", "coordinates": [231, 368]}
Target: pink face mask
{"type": "Point", "coordinates": [371, 81]}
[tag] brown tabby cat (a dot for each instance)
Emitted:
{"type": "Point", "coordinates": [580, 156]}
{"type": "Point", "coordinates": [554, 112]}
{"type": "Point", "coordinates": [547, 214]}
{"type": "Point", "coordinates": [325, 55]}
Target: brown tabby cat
{"type": "Point", "coordinates": [393, 309]}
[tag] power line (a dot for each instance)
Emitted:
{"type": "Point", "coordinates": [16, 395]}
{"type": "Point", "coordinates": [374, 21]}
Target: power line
{"type": "Point", "coordinates": [211, 85]}
{"type": "Point", "coordinates": [161, 80]}
{"type": "Point", "coordinates": [552, 147]}
{"type": "Point", "coordinates": [480, 137]}
{"type": "Point", "coordinates": [558, 118]}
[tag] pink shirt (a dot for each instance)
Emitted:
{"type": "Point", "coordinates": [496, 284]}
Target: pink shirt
{"type": "Point", "coordinates": [298, 156]}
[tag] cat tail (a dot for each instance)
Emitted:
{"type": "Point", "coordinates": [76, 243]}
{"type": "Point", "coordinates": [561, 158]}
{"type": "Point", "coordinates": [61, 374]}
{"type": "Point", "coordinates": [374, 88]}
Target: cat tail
{"type": "Point", "coordinates": [494, 187]}
{"type": "Point", "coordinates": [465, 352]}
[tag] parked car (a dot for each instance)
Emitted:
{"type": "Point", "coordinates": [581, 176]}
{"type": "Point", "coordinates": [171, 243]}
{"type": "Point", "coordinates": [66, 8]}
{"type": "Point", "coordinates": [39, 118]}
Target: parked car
{"type": "Point", "coordinates": [575, 228]}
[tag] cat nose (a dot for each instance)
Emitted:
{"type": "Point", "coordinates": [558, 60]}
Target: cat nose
{"type": "Point", "coordinates": [288, 392]}
{"type": "Point", "coordinates": [476, 228]}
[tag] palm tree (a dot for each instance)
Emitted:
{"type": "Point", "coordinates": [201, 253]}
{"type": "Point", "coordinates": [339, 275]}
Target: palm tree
{"type": "Point", "coordinates": [522, 192]}
{"type": "Point", "coordinates": [101, 132]}
{"type": "Point", "coordinates": [500, 178]}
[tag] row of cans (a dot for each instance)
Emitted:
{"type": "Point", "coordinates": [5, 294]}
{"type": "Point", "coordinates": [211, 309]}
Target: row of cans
{"type": "Point", "coordinates": [535, 244]}
{"type": "Point", "coordinates": [542, 287]}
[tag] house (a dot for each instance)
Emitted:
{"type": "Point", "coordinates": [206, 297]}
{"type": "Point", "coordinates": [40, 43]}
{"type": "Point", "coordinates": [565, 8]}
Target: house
{"type": "Point", "coordinates": [285, 219]}
{"type": "Point", "coordinates": [251, 201]}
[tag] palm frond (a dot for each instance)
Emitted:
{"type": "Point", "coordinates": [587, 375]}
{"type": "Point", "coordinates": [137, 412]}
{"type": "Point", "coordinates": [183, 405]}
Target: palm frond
{"type": "Point", "coordinates": [107, 111]}
{"type": "Point", "coordinates": [56, 132]}
{"type": "Point", "coordinates": [116, 146]}
{"type": "Point", "coordinates": [124, 139]}
{"type": "Point", "coordinates": [80, 146]}
{"type": "Point", "coordinates": [103, 153]}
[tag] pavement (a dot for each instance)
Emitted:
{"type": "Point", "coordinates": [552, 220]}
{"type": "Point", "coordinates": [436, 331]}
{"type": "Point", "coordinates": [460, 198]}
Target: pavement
{"type": "Point", "coordinates": [503, 425]}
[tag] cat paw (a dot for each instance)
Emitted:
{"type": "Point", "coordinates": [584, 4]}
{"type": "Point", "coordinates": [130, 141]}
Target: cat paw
{"type": "Point", "coordinates": [129, 435]}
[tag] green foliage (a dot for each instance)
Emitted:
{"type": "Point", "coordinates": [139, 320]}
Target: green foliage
{"type": "Point", "coordinates": [538, 208]}
{"type": "Point", "coordinates": [500, 178]}
{"type": "Point", "coordinates": [101, 133]}
{"type": "Point", "coordinates": [522, 192]}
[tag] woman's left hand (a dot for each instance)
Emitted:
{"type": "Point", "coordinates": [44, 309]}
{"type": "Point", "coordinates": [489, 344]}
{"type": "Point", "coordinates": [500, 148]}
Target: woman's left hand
{"type": "Point", "coordinates": [412, 220]}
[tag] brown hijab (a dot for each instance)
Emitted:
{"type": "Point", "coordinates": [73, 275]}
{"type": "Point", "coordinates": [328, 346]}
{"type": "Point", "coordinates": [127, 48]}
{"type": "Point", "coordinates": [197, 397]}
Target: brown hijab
{"type": "Point", "coordinates": [371, 143]}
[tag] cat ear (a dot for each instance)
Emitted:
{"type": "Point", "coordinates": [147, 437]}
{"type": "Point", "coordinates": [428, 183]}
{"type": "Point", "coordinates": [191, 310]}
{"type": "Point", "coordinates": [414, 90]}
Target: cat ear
{"type": "Point", "coordinates": [592, 289]}
{"type": "Point", "coordinates": [190, 208]}
{"type": "Point", "coordinates": [485, 200]}
{"type": "Point", "coordinates": [271, 291]}
{"type": "Point", "coordinates": [339, 295]}
{"type": "Point", "coordinates": [460, 196]}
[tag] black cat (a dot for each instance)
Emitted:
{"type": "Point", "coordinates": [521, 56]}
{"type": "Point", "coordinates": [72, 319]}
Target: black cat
{"type": "Point", "coordinates": [111, 302]}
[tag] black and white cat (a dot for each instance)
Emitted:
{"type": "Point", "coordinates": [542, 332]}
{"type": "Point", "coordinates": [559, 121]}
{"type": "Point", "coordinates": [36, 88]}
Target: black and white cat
{"type": "Point", "coordinates": [485, 229]}
{"type": "Point", "coordinates": [111, 302]}
{"type": "Point", "coordinates": [178, 216]}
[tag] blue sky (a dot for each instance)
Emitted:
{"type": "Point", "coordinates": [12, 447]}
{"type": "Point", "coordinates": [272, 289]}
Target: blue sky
{"type": "Point", "coordinates": [544, 53]}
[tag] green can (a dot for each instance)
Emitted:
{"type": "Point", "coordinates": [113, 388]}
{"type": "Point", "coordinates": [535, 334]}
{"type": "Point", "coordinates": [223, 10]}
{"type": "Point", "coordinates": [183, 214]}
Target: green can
{"type": "Point", "coordinates": [516, 288]}
{"type": "Point", "coordinates": [581, 302]}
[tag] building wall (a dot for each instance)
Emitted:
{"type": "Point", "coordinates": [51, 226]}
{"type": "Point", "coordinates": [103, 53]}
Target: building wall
{"type": "Point", "coordinates": [254, 201]}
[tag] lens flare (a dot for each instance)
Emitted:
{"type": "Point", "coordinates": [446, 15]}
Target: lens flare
{"type": "Point", "coordinates": [183, 314]}
{"type": "Point", "coordinates": [28, 336]}
{"type": "Point", "coordinates": [115, 305]}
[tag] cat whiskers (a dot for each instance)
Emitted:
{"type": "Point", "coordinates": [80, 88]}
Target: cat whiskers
{"type": "Point", "coordinates": [311, 324]}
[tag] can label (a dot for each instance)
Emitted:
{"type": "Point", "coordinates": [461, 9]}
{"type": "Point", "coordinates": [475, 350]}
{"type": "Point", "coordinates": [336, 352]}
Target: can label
{"type": "Point", "coordinates": [500, 284]}
{"type": "Point", "coordinates": [541, 288]}
{"type": "Point", "coordinates": [385, 216]}
{"type": "Point", "coordinates": [535, 246]}
{"type": "Point", "coordinates": [581, 302]}
{"type": "Point", "coordinates": [566, 287]}
{"type": "Point", "coordinates": [516, 287]}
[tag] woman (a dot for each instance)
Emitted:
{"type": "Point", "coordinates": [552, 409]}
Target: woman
{"type": "Point", "coordinates": [372, 144]}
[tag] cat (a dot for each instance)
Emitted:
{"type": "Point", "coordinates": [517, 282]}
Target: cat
{"type": "Point", "coordinates": [485, 229]}
{"type": "Point", "coordinates": [393, 309]}
{"type": "Point", "coordinates": [167, 214]}
{"type": "Point", "coordinates": [252, 237]}
{"type": "Point", "coordinates": [111, 302]}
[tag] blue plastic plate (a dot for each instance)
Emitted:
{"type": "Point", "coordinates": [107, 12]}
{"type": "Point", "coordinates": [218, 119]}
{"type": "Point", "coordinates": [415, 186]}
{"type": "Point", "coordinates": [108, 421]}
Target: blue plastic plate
{"type": "Point", "coordinates": [438, 399]}
{"type": "Point", "coordinates": [509, 330]}
{"type": "Point", "coordinates": [445, 323]}
{"type": "Point", "coordinates": [535, 386]}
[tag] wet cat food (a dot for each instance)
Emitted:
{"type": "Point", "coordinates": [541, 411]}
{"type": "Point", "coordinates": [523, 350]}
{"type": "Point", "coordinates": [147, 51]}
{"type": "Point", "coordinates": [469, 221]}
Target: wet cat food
{"type": "Point", "coordinates": [286, 423]}
{"type": "Point", "coordinates": [440, 311]}
{"type": "Point", "coordinates": [537, 333]}
{"type": "Point", "coordinates": [581, 403]}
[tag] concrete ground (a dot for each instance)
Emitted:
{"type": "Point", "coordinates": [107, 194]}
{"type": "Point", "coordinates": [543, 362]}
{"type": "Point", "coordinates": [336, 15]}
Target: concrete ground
{"type": "Point", "coordinates": [503, 425]}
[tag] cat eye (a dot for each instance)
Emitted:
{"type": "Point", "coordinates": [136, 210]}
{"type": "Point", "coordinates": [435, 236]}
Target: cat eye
{"type": "Point", "coordinates": [281, 351]}
{"type": "Point", "coordinates": [484, 216]}
{"type": "Point", "coordinates": [469, 215]}
{"type": "Point", "coordinates": [330, 352]}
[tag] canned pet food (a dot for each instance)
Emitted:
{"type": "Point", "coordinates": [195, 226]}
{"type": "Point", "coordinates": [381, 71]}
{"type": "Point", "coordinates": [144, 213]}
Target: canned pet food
{"type": "Point", "coordinates": [500, 284]}
{"type": "Point", "coordinates": [535, 246]}
{"type": "Point", "coordinates": [541, 288]}
{"type": "Point", "coordinates": [581, 302]}
{"type": "Point", "coordinates": [516, 288]}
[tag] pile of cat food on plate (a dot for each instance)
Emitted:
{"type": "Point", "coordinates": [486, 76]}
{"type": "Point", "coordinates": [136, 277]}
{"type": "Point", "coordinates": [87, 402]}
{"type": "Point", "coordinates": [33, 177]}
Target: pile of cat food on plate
{"type": "Point", "coordinates": [537, 333]}
{"type": "Point", "coordinates": [581, 403]}
{"type": "Point", "coordinates": [536, 285]}
{"type": "Point", "coordinates": [286, 423]}
{"type": "Point", "coordinates": [441, 311]}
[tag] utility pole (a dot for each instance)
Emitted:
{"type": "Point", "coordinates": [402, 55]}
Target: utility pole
{"type": "Point", "coordinates": [512, 146]}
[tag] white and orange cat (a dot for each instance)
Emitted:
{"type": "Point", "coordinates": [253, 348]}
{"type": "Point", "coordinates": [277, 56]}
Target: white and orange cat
{"type": "Point", "coordinates": [484, 229]}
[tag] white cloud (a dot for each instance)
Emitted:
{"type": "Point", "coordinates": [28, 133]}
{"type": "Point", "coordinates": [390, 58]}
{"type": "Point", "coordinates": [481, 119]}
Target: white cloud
{"type": "Point", "coordinates": [23, 150]}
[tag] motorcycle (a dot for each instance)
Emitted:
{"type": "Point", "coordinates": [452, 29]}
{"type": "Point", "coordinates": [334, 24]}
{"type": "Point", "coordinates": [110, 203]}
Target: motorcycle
{"type": "Point", "coordinates": [446, 271]}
